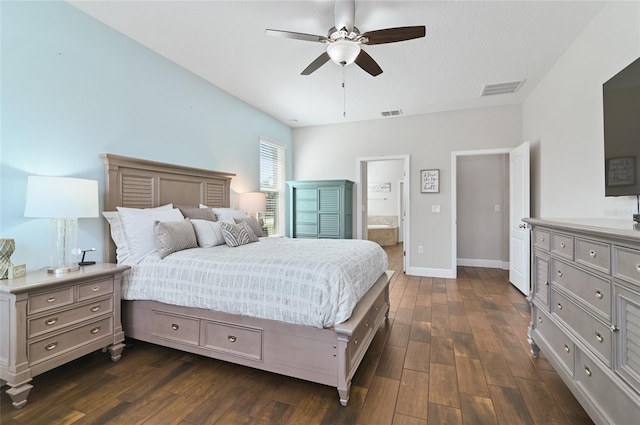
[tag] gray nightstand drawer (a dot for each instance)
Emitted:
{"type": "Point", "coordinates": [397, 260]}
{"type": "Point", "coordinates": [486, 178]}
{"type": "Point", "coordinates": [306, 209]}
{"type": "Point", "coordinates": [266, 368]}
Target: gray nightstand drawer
{"type": "Point", "coordinates": [626, 264]}
{"type": "Point", "coordinates": [45, 349]}
{"type": "Point", "coordinates": [52, 322]}
{"type": "Point", "coordinates": [585, 286]}
{"type": "Point", "coordinates": [562, 245]}
{"type": "Point", "coordinates": [596, 255]}
{"type": "Point", "coordinates": [95, 289]}
{"type": "Point", "coordinates": [49, 300]}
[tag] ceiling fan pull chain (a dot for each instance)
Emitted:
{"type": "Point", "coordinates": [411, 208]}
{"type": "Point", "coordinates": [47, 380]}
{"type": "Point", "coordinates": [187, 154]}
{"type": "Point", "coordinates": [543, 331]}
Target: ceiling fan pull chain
{"type": "Point", "coordinates": [344, 96]}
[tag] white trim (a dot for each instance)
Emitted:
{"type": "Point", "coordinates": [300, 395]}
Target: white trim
{"type": "Point", "coordinates": [489, 264]}
{"type": "Point", "coordinates": [454, 196]}
{"type": "Point", "coordinates": [428, 272]}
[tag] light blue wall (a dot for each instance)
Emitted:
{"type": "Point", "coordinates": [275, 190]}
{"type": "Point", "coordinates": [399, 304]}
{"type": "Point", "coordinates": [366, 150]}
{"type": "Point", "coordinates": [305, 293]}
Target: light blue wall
{"type": "Point", "coordinates": [73, 88]}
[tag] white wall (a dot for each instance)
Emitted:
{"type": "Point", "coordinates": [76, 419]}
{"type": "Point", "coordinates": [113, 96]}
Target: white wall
{"type": "Point", "coordinates": [330, 152]}
{"type": "Point", "coordinates": [563, 119]}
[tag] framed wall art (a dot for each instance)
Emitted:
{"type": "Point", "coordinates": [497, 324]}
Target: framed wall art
{"type": "Point", "coordinates": [430, 181]}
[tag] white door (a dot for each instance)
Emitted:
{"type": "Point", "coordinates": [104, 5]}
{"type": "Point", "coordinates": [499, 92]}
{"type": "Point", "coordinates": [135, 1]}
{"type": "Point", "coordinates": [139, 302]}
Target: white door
{"type": "Point", "coordinates": [519, 237]}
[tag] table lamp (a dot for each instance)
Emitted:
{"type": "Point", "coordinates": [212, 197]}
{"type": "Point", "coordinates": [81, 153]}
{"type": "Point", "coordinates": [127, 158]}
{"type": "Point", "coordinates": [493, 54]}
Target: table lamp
{"type": "Point", "coordinates": [252, 203]}
{"type": "Point", "coordinates": [64, 200]}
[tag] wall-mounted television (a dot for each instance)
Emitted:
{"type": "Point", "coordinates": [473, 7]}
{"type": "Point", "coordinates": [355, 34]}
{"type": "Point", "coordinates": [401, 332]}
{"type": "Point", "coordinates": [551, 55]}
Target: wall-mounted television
{"type": "Point", "coordinates": [621, 107]}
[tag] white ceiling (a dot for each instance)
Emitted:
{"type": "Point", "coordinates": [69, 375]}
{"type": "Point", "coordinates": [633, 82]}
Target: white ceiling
{"type": "Point", "coordinates": [468, 44]}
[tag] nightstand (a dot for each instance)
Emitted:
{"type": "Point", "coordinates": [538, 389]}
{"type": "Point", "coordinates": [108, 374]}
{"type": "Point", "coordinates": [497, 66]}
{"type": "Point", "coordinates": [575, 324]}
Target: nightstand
{"type": "Point", "coordinates": [48, 320]}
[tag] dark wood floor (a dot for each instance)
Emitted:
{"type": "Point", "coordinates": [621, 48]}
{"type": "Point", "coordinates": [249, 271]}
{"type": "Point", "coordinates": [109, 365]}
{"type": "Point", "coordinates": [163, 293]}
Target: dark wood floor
{"type": "Point", "coordinates": [454, 351]}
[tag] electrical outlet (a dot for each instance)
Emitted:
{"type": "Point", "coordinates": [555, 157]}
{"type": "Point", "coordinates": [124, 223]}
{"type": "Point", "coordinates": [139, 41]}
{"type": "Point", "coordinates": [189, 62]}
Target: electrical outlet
{"type": "Point", "coordinates": [435, 209]}
{"type": "Point", "coordinates": [420, 249]}
{"type": "Point", "coordinates": [496, 207]}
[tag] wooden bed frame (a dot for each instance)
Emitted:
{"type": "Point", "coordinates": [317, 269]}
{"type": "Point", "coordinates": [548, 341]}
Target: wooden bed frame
{"type": "Point", "coordinates": [328, 356]}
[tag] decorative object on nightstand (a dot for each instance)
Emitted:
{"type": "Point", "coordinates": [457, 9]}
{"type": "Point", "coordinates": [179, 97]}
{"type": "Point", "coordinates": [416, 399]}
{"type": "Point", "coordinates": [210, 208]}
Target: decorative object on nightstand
{"type": "Point", "coordinates": [64, 200]}
{"type": "Point", "coordinates": [49, 320]}
{"type": "Point", "coordinates": [7, 246]}
{"type": "Point", "coordinates": [82, 261]}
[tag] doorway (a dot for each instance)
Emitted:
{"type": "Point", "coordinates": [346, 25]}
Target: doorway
{"type": "Point", "coordinates": [384, 192]}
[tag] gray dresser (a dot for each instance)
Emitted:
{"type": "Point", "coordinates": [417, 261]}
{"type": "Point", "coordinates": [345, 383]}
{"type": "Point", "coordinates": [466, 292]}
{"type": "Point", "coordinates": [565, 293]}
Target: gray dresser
{"type": "Point", "coordinates": [585, 311]}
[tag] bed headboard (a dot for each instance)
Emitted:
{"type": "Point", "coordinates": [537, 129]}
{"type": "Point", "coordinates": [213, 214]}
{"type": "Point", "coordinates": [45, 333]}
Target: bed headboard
{"type": "Point", "coordinates": [138, 183]}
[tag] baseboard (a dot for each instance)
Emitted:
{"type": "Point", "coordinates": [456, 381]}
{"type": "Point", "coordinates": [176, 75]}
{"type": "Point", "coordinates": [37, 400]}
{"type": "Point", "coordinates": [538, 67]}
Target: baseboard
{"type": "Point", "coordinates": [426, 272]}
{"type": "Point", "coordinates": [489, 264]}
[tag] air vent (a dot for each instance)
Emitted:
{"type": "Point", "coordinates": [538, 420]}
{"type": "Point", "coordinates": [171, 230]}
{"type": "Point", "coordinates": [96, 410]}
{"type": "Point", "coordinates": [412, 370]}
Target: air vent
{"type": "Point", "coordinates": [391, 113]}
{"type": "Point", "coordinates": [501, 88]}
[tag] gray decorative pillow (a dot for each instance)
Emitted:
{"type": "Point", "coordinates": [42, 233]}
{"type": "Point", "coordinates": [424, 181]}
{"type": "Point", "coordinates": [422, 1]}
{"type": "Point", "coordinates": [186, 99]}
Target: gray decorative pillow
{"type": "Point", "coordinates": [198, 213]}
{"type": "Point", "coordinates": [237, 234]}
{"type": "Point", "coordinates": [172, 236]}
{"type": "Point", "coordinates": [253, 223]}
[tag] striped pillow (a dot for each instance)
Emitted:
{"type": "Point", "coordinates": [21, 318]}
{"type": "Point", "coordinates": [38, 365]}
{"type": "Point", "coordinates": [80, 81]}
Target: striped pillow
{"type": "Point", "coordinates": [172, 236]}
{"type": "Point", "coordinates": [237, 234]}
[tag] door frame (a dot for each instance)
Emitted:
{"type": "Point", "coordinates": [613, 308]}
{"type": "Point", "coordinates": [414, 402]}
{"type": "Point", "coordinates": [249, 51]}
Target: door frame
{"type": "Point", "coordinates": [454, 197]}
{"type": "Point", "coordinates": [361, 206]}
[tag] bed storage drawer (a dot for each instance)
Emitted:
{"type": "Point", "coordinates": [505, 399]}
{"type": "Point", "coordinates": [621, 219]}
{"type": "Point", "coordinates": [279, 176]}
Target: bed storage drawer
{"type": "Point", "coordinates": [182, 329]}
{"type": "Point", "coordinates": [238, 341]}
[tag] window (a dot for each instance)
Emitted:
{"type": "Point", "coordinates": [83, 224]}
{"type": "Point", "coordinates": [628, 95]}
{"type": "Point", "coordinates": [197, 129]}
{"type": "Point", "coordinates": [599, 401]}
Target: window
{"type": "Point", "coordinates": [272, 183]}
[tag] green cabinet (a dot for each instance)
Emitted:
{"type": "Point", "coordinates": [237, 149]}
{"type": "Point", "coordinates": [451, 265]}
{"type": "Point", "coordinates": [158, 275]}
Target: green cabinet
{"type": "Point", "coordinates": [320, 209]}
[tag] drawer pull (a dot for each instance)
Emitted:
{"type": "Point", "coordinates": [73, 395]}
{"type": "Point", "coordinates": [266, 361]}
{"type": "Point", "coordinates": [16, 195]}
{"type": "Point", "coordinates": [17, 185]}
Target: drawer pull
{"type": "Point", "coordinates": [51, 299]}
{"type": "Point", "coordinates": [562, 245]}
{"type": "Point", "coordinates": [587, 370]}
{"type": "Point", "coordinates": [95, 308]}
{"type": "Point", "coordinates": [231, 338]}
{"type": "Point", "coordinates": [592, 253]}
{"type": "Point", "coordinates": [541, 238]}
{"type": "Point", "coordinates": [95, 288]}
{"type": "Point", "coordinates": [599, 337]}
{"type": "Point", "coordinates": [95, 330]}
{"type": "Point", "coordinates": [366, 324]}
{"type": "Point", "coordinates": [559, 306]}
{"type": "Point", "coordinates": [540, 319]}
{"type": "Point", "coordinates": [546, 282]}
{"type": "Point", "coordinates": [566, 348]}
{"type": "Point", "coordinates": [638, 267]}
{"type": "Point", "coordinates": [598, 294]}
{"type": "Point", "coordinates": [51, 346]}
{"type": "Point", "coordinates": [559, 273]}
{"type": "Point", "coordinates": [355, 341]}
{"type": "Point", "coordinates": [51, 321]}
{"type": "Point", "coordinates": [175, 326]}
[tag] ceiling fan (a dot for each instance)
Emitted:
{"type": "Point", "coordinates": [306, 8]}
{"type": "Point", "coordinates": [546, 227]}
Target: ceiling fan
{"type": "Point", "coordinates": [344, 40]}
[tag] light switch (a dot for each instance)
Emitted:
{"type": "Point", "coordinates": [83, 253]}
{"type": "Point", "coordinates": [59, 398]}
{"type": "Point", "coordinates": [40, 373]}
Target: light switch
{"type": "Point", "coordinates": [496, 207]}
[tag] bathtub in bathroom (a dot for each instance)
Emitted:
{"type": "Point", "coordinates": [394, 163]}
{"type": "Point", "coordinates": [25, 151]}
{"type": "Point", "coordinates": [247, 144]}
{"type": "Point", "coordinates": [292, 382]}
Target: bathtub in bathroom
{"type": "Point", "coordinates": [383, 234]}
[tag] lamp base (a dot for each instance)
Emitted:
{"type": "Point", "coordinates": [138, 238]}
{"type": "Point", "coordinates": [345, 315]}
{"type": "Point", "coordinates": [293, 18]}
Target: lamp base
{"type": "Point", "coordinates": [64, 269]}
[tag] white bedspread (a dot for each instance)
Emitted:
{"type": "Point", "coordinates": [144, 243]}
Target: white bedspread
{"type": "Point", "coordinates": [302, 281]}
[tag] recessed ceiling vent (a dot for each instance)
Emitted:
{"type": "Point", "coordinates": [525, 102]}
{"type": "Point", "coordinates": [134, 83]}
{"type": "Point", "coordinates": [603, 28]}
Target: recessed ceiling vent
{"type": "Point", "coordinates": [391, 113]}
{"type": "Point", "coordinates": [501, 88]}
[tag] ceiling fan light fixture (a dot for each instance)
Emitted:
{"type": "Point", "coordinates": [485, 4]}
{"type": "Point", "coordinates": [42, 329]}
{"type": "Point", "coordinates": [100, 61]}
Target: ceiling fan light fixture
{"type": "Point", "coordinates": [343, 52]}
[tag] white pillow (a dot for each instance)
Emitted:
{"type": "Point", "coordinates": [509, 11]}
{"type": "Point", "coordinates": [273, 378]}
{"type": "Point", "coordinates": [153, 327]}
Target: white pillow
{"type": "Point", "coordinates": [208, 233]}
{"type": "Point", "coordinates": [138, 227]}
{"type": "Point", "coordinates": [228, 214]}
{"type": "Point", "coordinates": [123, 252]}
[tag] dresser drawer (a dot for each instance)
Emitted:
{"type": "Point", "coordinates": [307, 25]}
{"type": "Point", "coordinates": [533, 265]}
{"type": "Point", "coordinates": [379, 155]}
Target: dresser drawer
{"type": "Point", "coordinates": [54, 321]}
{"type": "Point", "coordinates": [590, 330]}
{"type": "Point", "coordinates": [307, 194]}
{"type": "Point", "coordinates": [541, 239]}
{"type": "Point", "coordinates": [562, 245]}
{"type": "Point", "coordinates": [626, 264]}
{"type": "Point", "coordinates": [596, 255]}
{"type": "Point", "coordinates": [589, 288]}
{"type": "Point", "coordinates": [306, 229]}
{"type": "Point", "coordinates": [306, 205]}
{"type": "Point", "coordinates": [182, 329]}
{"type": "Point", "coordinates": [95, 289]}
{"type": "Point", "coordinates": [611, 400]}
{"type": "Point", "coordinates": [306, 217]}
{"type": "Point", "coordinates": [52, 346]}
{"type": "Point", "coordinates": [49, 300]}
{"type": "Point", "coordinates": [238, 341]}
{"type": "Point", "coordinates": [556, 340]}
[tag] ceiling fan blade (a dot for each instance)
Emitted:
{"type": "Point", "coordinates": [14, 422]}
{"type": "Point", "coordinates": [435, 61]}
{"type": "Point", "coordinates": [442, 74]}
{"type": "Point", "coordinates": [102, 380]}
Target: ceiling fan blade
{"type": "Point", "coordinates": [392, 35]}
{"type": "Point", "coordinates": [317, 63]}
{"type": "Point", "coordinates": [367, 63]}
{"type": "Point", "coordinates": [345, 14]}
{"type": "Point", "coordinates": [296, 35]}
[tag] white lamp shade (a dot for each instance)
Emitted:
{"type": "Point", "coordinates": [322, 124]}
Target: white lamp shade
{"type": "Point", "coordinates": [60, 197]}
{"type": "Point", "coordinates": [252, 202]}
{"type": "Point", "coordinates": [343, 52]}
